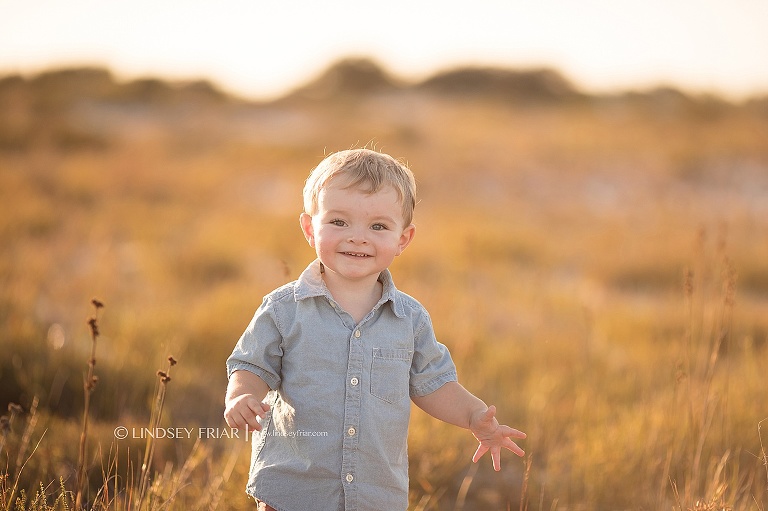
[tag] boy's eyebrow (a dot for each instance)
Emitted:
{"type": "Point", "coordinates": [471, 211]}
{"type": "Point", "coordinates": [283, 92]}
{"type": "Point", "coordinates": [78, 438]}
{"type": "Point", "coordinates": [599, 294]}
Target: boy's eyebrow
{"type": "Point", "coordinates": [336, 212]}
{"type": "Point", "coordinates": [384, 218]}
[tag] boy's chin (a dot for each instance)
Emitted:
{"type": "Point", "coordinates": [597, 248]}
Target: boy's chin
{"type": "Point", "coordinates": [353, 274]}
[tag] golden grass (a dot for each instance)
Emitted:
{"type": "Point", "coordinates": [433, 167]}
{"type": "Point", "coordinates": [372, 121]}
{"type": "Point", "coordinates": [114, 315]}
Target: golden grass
{"type": "Point", "coordinates": [551, 250]}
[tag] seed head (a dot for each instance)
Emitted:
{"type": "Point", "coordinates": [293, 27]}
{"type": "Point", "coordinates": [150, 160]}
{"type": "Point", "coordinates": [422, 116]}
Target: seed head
{"type": "Point", "coordinates": [97, 303]}
{"type": "Point", "coordinates": [90, 385]}
{"type": "Point", "coordinates": [15, 408]}
{"type": "Point", "coordinates": [94, 324]}
{"type": "Point", "coordinates": [172, 361]}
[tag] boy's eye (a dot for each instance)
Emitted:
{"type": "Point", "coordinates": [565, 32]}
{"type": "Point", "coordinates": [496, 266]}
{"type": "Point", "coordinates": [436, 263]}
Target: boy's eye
{"type": "Point", "coordinates": [379, 227]}
{"type": "Point", "coordinates": [339, 223]}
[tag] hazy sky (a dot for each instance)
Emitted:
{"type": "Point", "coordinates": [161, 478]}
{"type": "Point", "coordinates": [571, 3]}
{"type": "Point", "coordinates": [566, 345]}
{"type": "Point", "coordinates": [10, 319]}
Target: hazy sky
{"type": "Point", "coordinates": [258, 48]}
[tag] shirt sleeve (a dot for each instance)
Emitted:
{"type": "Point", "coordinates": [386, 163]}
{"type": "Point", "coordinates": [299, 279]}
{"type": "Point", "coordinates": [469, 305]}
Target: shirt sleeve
{"type": "Point", "coordinates": [259, 349]}
{"type": "Point", "coordinates": [432, 366]}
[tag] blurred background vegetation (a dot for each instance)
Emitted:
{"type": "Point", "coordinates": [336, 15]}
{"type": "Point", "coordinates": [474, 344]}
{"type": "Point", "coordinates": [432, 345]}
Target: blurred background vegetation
{"type": "Point", "coordinates": [597, 264]}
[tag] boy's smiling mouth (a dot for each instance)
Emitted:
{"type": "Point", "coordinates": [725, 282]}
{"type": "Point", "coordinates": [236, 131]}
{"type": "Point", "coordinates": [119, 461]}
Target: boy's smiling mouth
{"type": "Point", "coordinates": [356, 254]}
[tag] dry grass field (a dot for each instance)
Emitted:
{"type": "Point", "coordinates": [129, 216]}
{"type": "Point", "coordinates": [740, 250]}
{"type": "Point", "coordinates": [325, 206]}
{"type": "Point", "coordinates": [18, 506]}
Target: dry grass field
{"type": "Point", "coordinates": [598, 266]}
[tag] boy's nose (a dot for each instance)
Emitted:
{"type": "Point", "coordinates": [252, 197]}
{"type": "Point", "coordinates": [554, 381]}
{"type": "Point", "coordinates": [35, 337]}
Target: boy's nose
{"type": "Point", "coordinates": [357, 237]}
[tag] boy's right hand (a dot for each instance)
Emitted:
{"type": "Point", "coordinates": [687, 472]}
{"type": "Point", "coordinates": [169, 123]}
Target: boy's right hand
{"type": "Point", "coordinates": [241, 412]}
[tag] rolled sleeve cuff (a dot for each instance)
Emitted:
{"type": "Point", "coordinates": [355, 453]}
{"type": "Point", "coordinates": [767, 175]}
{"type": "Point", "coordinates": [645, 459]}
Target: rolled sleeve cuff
{"type": "Point", "coordinates": [432, 385]}
{"type": "Point", "coordinates": [269, 378]}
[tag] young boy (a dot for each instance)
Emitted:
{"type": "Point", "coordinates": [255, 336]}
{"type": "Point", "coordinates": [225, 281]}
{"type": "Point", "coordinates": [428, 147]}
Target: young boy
{"type": "Point", "coordinates": [325, 368]}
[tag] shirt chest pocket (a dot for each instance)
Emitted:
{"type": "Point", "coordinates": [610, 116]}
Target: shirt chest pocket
{"type": "Point", "coordinates": [390, 373]}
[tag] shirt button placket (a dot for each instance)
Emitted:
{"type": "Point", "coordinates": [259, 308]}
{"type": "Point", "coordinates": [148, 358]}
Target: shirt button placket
{"type": "Point", "coordinates": [352, 406]}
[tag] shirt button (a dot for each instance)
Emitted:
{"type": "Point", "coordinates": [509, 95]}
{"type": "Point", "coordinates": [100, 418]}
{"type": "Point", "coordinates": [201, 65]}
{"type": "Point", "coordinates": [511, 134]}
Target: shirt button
{"type": "Point", "coordinates": [351, 431]}
{"type": "Point", "coordinates": [350, 478]}
{"type": "Point", "coordinates": [357, 334]}
{"type": "Point", "coordinates": [354, 381]}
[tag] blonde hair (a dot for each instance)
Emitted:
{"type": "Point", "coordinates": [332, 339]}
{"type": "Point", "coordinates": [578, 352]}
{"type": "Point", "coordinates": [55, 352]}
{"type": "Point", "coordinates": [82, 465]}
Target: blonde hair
{"type": "Point", "coordinates": [365, 169]}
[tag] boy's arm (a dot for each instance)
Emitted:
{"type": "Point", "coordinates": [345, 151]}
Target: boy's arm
{"type": "Point", "coordinates": [454, 404]}
{"type": "Point", "coordinates": [451, 403]}
{"type": "Point", "coordinates": [243, 402]}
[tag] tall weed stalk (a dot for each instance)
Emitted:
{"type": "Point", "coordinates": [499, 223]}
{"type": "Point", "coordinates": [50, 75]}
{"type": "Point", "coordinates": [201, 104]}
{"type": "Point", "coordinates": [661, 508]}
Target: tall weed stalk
{"type": "Point", "coordinates": [154, 422]}
{"type": "Point", "coordinates": [89, 384]}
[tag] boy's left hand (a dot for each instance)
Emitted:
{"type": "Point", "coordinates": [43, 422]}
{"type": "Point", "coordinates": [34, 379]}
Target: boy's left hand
{"type": "Point", "coordinates": [493, 436]}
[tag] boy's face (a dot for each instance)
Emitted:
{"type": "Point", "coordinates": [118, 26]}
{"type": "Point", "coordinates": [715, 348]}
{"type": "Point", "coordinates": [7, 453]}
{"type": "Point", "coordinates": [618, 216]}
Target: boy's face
{"type": "Point", "coordinates": [356, 234]}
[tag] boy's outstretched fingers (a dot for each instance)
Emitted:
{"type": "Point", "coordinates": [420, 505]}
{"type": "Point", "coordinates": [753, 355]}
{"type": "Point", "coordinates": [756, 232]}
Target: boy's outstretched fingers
{"type": "Point", "coordinates": [510, 433]}
{"type": "Point", "coordinates": [481, 449]}
{"type": "Point", "coordinates": [493, 436]}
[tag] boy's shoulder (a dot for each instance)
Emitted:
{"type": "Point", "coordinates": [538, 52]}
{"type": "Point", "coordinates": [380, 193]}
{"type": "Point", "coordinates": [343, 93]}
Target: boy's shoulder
{"type": "Point", "coordinates": [411, 306]}
{"type": "Point", "coordinates": [281, 293]}
{"type": "Point", "coordinates": [408, 300]}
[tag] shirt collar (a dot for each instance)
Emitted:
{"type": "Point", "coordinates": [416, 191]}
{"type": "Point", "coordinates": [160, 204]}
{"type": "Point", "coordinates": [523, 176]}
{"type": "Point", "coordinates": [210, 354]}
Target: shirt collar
{"type": "Point", "coordinates": [310, 284]}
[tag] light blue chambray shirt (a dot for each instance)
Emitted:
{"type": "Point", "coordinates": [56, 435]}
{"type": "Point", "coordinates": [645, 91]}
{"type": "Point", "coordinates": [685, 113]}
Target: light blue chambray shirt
{"type": "Point", "coordinates": [336, 437]}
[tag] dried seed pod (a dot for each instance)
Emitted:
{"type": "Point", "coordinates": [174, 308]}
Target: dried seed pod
{"type": "Point", "coordinates": [93, 323]}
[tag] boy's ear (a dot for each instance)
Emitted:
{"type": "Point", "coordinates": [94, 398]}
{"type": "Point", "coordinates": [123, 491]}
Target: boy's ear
{"type": "Point", "coordinates": [306, 227]}
{"type": "Point", "coordinates": [405, 238]}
